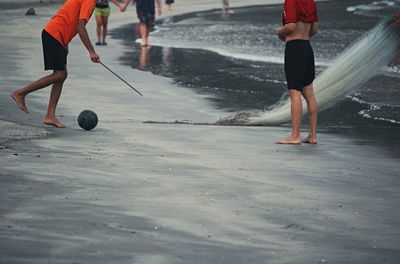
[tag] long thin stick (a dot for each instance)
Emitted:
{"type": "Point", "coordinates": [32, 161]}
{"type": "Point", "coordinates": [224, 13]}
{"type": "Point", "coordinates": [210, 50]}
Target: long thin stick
{"type": "Point", "coordinates": [120, 78]}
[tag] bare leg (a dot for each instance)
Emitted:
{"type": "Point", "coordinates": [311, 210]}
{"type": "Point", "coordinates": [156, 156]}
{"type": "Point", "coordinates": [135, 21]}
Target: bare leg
{"type": "Point", "coordinates": [312, 106]}
{"type": "Point", "coordinates": [50, 117]}
{"type": "Point", "coordinates": [20, 94]}
{"type": "Point", "coordinates": [143, 61]}
{"type": "Point", "coordinates": [99, 22]}
{"type": "Point", "coordinates": [147, 35]}
{"type": "Point", "coordinates": [143, 33]}
{"type": "Point", "coordinates": [296, 112]}
{"type": "Point", "coordinates": [105, 23]}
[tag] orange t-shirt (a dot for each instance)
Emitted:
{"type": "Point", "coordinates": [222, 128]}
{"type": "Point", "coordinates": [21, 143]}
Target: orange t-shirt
{"type": "Point", "coordinates": [63, 26]}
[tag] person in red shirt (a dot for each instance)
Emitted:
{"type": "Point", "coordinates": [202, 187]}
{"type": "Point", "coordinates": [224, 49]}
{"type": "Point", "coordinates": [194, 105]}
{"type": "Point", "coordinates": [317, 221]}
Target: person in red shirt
{"type": "Point", "coordinates": [300, 23]}
{"type": "Point", "coordinates": [70, 20]}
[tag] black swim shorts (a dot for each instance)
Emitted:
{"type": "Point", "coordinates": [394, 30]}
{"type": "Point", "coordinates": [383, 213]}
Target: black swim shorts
{"type": "Point", "coordinates": [55, 56]}
{"type": "Point", "coordinates": [146, 18]}
{"type": "Point", "coordinates": [299, 64]}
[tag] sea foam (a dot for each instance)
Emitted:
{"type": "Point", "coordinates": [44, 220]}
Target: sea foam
{"type": "Point", "coordinates": [347, 73]}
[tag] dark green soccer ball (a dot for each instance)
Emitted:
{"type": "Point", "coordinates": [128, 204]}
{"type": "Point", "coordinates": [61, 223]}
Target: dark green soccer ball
{"type": "Point", "coordinates": [87, 119]}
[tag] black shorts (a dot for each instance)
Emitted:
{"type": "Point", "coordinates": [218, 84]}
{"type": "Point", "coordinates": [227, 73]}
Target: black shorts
{"type": "Point", "coordinates": [146, 18]}
{"type": "Point", "coordinates": [299, 64]}
{"type": "Point", "coordinates": [54, 54]}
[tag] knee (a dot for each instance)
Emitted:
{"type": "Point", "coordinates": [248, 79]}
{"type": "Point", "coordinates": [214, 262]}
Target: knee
{"type": "Point", "coordinates": [60, 76]}
{"type": "Point", "coordinates": [309, 97]}
{"type": "Point", "coordinates": [294, 94]}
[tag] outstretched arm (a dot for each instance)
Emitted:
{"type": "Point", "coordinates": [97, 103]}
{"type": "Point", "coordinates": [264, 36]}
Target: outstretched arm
{"type": "Point", "coordinates": [84, 36]}
{"type": "Point", "coordinates": [123, 7]}
{"type": "Point", "coordinates": [159, 7]}
{"type": "Point", "coordinates": [117, 3]}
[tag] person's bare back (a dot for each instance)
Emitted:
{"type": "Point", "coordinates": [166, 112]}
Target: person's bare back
{"type": "Point", "coordinates": [301, 31]}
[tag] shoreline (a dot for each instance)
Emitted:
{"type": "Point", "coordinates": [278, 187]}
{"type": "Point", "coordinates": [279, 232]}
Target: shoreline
{"type": "Point", "coordinates": [180, 74]}
{"type": "Point", "coordinates": [181, 10]}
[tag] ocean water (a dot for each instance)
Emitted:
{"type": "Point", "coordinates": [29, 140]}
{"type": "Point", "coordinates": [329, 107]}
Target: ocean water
{"type": "Point", "coordinates": [238, 61]}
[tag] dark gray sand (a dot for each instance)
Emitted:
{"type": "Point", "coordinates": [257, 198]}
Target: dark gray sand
{"type": "Point", "coordinates": [13, 4]}
{"type": "Point", "coordinates": [130, 192]}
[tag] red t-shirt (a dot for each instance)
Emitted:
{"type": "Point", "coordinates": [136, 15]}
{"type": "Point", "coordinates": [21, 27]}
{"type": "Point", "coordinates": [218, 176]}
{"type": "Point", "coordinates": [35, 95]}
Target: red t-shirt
{"type": "Point", "coordinates": [64, 25]}
{"type": "Point", "coordinates": [299, 10]}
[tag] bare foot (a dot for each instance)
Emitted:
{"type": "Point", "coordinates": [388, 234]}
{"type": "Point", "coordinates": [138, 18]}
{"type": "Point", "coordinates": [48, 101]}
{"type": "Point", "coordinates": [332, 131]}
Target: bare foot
{"type": "Point", "coordinates": [289, 141]}
{"type": "Point", "coordinates": [145, 43]}
{"type": "Point", "coordinates": [53, 121]}
{"type": "Point", "coordinates": [20, 101]}
{"type": "Point", "coordinates": [309, 140]}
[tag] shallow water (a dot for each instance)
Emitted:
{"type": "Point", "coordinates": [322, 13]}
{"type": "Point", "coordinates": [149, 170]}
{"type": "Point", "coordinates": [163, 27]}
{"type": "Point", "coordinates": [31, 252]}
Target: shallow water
{"type": "Point", "coordinates": [237, 60]}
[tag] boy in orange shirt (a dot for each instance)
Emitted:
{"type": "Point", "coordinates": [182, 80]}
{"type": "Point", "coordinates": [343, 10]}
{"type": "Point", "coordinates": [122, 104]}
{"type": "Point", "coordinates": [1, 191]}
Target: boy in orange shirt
{"type": "Point", "coordinates": [69, 21]}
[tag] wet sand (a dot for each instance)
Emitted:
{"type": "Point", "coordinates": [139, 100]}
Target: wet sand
{"type": "Point", "coordinates": [132, 192]}
{"type": "Point", "coordinates": [12, 4]}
